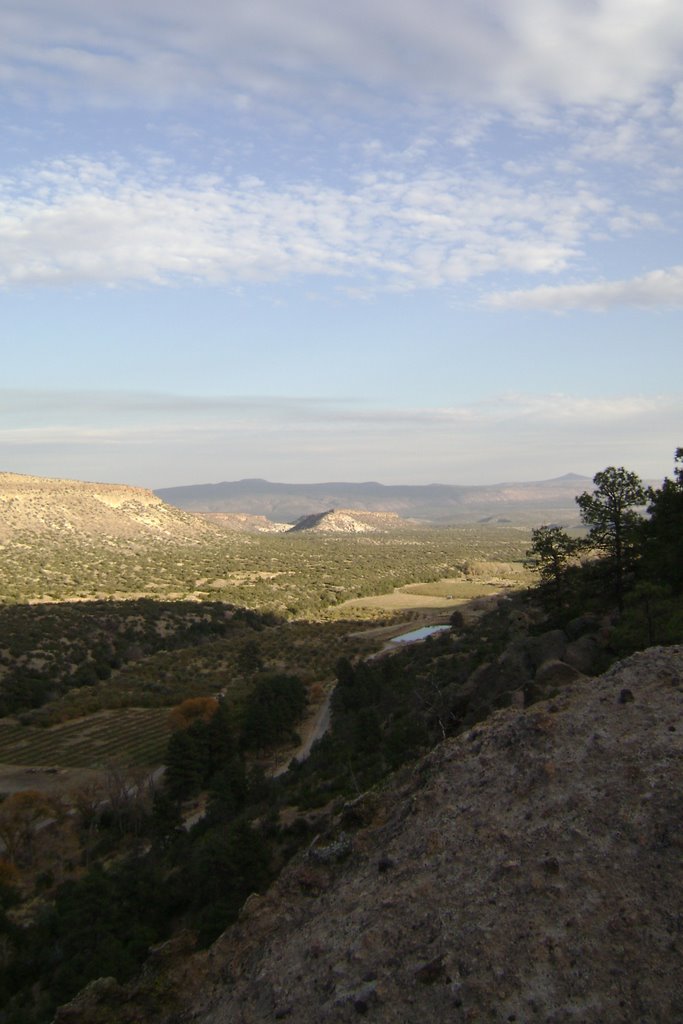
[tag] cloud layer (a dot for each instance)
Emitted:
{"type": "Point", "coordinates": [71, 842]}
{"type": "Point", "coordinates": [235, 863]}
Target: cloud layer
{"type": "Point", "coordinates": [81, 221]}
{"type": "Point", "coordinates": [659, 289]}
{"type": "Point", "coordinates": [508, 54]}
{"type": "Point", "coordinates": [573, 88]}
{"type": "Point", "coordinates": [244, 189]}
{"type": "Point", "coordinates": [515, 436]}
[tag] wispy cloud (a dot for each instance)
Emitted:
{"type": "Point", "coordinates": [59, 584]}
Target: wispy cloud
{"type": "Point", "coordinates": [241, 173]}
{"type": "Point", "coordinates": [655, 290]}
{"type": "Point", "coordinates": [28, 407]}
{"type": "Point", "coordinates": [76, 220]}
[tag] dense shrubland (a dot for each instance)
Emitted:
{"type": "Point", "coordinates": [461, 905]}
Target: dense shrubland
{"type": "Point", "coordinates": [50, 649]}
{"type": "Point", "coordinates": [64, 659]}
{"type": "Point", "coordinates": [293, 575]}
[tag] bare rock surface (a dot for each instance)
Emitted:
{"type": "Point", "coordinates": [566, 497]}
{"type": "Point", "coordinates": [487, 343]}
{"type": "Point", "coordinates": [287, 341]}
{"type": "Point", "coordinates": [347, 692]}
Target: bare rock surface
{"type": "Point", "coordinates": [529, 870]}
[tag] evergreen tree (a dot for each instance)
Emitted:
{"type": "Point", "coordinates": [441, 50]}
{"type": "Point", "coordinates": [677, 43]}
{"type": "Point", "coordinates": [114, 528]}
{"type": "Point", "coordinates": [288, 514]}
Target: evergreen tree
{"type": "Point", "coordinates": [249, 660]}
{"type": "Point", "coordinates": [166, 818]}
{"type": "Point", "coordinates": [272, 708]}
{"type": "Point", "coordinates": [552, 550]}
{"type": "Point", "coordinates": [228, 790]}
{"type": "Point", "coordinates": [219, 739]}
{"type": "Point", "coordinates": [226, 866]}
{"type": "Point", "coordinates": [663, 531]}
{"type": "Point", "coordinates": [186, 762]}
{"type": "Point", "coordinates": [610, 511]}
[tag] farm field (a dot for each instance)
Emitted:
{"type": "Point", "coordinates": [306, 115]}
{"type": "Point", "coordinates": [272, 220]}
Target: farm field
{"type": "Point", "coordinates": [444, 595]}
{"type": "Point", "coordinates": [131, 737]}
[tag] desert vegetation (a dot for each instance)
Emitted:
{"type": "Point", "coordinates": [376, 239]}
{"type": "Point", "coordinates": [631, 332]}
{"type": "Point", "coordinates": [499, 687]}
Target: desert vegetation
{"type": "Point", "coordinates": [205, 687]}
{"type": "Point", "coordinates": [292, 575]}
{"type": "Point", "coordinates": [76, 637]}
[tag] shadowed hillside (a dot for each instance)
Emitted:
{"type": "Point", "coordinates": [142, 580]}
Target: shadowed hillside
{"type": "Point", "coordinates": [527, 870]}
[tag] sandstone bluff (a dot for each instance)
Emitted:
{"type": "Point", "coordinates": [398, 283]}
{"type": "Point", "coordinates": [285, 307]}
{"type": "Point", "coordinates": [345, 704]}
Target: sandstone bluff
{"type": "Point", "coordinates": [54, 509]}
{"type": "Point", "coordinates": [528, 871]}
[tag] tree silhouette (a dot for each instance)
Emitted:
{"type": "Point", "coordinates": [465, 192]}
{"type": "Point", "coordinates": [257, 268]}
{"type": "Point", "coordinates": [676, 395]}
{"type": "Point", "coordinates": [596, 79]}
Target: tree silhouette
{"type": "Point", "coordinates": [610, 511]}
{"type": "Point", "coordinates": [663, 531]}
{"type": "Point", "coordinates": [552, 549]}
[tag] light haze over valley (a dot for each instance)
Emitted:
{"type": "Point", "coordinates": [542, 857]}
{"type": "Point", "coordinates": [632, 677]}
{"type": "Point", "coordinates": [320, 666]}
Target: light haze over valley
{"type": "Point", "coordinates": [414, 244]}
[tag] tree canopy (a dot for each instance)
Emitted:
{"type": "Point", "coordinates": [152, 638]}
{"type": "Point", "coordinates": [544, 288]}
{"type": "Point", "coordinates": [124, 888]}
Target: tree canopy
{"type": "Point", "coordinates": [552, 550]}
{"type": "Point", "coordinates": [663, 530]}
{"type": "Point", "coordinates": [611, 513]}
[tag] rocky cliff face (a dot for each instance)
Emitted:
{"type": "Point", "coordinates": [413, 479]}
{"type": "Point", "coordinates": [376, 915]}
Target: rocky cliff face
{"type": "Point", "coordinates": [529, 870]}
{"type": "Point", "coordinates": [71, 508]}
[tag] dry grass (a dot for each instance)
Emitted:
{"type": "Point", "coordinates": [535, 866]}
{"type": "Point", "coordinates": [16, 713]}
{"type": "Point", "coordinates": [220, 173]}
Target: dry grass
{"type": "Point", "coordinates": [399, 600]}
{"type": "Point", "coordinates": [442, 595]}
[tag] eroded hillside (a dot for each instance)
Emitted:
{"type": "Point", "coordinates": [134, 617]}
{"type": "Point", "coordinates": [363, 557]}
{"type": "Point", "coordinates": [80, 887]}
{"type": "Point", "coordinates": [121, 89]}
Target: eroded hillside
{"type": "Point", "coordinates": [50, 508]}
{"type": "Point", "coordinates": [344, 520]}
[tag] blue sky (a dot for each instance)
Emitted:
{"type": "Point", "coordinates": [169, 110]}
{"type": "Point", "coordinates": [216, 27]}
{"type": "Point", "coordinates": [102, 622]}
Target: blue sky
{"type": "Point", "coordinates": [401, 241]}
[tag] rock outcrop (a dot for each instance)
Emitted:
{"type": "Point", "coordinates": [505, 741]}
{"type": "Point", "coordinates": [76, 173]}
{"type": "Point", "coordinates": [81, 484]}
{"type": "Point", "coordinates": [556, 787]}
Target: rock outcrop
{"type": "Point", "coordinates": [346, 520]}
{"type": "Point", "coordinates": [534, 667]}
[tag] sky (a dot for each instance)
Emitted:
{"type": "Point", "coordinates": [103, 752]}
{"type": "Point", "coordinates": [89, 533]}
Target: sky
{"type": "Point", "coordinates": [409, 241]}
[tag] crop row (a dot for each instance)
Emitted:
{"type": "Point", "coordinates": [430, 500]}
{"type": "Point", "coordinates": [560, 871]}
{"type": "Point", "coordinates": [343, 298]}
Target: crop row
{"type": "Point", "coordinates": [130, 737]}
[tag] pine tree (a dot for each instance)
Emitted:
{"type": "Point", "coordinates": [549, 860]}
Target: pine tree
{"type": "Point", "coordinates": [610, 511]}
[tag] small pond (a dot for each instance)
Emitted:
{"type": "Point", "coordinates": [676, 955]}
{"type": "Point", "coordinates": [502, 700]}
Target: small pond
{"type": "Point", "coordinates": [418, 634]}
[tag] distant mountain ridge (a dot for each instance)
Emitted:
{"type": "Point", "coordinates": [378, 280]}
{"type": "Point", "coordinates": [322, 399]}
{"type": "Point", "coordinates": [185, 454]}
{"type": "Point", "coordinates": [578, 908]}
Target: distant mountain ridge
{"type": "Point", "coordinates": [435, 503]}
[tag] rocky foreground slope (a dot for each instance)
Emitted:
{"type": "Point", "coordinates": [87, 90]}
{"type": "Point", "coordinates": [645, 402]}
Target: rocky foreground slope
{"type": "Point", "coordinates": [530, 870]}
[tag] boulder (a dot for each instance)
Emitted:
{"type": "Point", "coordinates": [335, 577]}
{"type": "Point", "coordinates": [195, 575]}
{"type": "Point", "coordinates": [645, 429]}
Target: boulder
{"type": "Point", "coordinates": [550, 645]}
{"type": "Point", "coordinates": [515, 664]}
{"type": "Point", "coordinates": [583, 654]}
{"type": "Point", "coordinates": [587, 623]}
{"type": "Point", "coordinates": [554, 673]}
